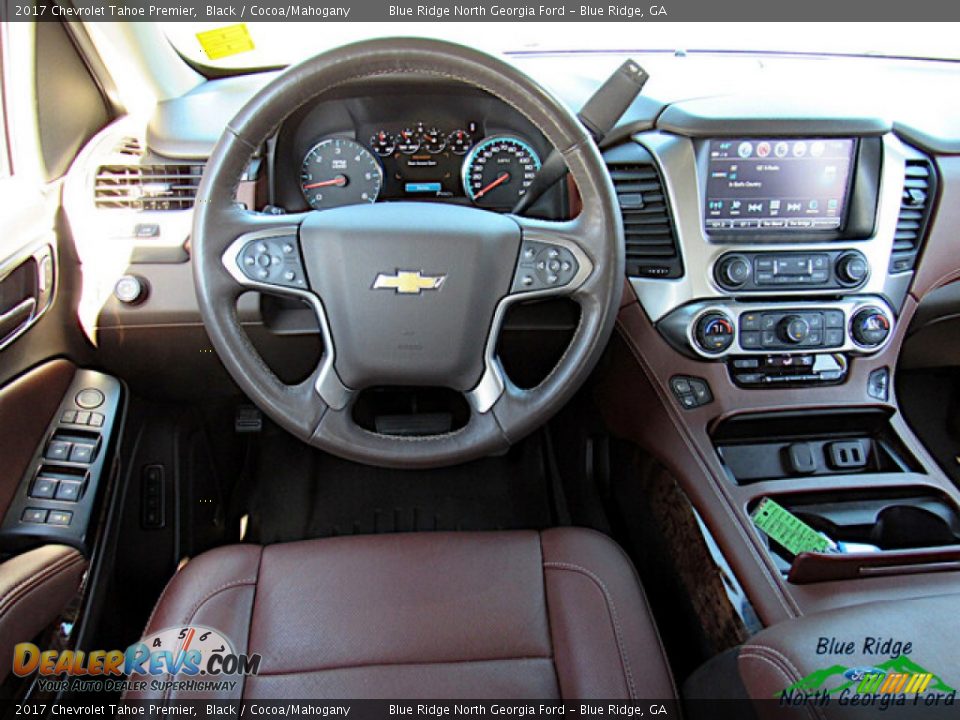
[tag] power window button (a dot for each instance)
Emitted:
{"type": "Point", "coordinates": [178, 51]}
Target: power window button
{"type": "Point", "coordinates": [81, 454]}
{"type": "Point", "coordinates": [69, 490]}
{"type": "Point", "coordinates": [57, 450]}
{"type": "Point", "coordinates": [43, 488]}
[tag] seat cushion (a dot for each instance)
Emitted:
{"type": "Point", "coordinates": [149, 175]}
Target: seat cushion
{"type": "Point", "coordinates": [556, 614]}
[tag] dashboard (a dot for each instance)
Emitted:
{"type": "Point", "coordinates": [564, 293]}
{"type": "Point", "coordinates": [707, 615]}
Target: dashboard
{"type": "Point", "coordinates": [411, 142]}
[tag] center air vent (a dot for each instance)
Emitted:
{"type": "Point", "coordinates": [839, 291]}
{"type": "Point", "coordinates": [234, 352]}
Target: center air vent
{"type": "Point", "coordinates": [147, 187]}
{"type": "Point", "coordinates": [919, 188]}
{"type": "Point", "coordinates": [651, 241]}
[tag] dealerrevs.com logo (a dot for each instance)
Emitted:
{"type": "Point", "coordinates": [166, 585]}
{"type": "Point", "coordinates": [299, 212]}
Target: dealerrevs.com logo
{"type": "Point", "coordinates": [191, 658]}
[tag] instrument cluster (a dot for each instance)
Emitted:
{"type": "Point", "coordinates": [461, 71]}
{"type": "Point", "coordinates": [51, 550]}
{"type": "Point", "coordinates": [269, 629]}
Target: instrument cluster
{"type": "Point", "coordinates": [418, 161]}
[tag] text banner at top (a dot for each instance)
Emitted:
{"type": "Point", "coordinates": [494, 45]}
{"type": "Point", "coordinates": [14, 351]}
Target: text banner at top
{"type": "Point", "coordinates": [481, 11]}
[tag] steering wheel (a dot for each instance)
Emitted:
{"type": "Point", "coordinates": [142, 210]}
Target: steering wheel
{"type": "Point", "coordinates": [406, 293]}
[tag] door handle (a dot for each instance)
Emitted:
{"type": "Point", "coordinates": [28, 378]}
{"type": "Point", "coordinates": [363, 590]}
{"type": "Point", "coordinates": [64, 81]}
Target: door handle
{"type": "Point", "coordinates": [26, 291]}
{"type": "Point", "coordinates": [16, 318]}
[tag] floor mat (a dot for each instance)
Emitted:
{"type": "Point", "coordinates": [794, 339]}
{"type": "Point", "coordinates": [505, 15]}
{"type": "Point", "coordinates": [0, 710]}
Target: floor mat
{"type": "Point", "coordinates": [298, 493]}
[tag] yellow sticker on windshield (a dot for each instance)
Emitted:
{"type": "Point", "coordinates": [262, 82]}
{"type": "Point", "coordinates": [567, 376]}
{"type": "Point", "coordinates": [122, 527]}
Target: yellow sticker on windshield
{"type": "Point", "coordinates": [226, 41]}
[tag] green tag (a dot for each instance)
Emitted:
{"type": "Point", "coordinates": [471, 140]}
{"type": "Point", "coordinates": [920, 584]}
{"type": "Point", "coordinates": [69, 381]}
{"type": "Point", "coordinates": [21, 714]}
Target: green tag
{"type": "Point", "coordinates": [784, 527]}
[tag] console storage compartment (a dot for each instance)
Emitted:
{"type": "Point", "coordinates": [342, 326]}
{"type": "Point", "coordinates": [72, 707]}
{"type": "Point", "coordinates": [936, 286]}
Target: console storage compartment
{"type": "Point", "coordinates": [774, 446]}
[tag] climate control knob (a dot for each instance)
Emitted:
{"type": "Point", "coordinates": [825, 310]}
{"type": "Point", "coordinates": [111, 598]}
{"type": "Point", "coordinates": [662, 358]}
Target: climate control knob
{"type": "Point", "coordinates": [793, 329]}
{"type": "Point", "coordinates": [852, 268]}
{"type": "Point", "coordinates": [714, 332]}
{"type": "Point", "coordinates": [869, 327]}
{"type": "Point", "coordinates": [733, 271]}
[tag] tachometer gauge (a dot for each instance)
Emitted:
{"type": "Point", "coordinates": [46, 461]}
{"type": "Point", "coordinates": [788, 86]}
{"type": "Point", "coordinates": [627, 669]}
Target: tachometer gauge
{"type": "Point", "coordinates": [338, 171]}
{"type": "Point", "coordinates": [498, 171]}
{"type": "Point", "coordinates": [459, 142]}
{"type": "Point", "coordinates": [434, 141]}
{"type": "Point", "coordinates": [408, 141]}
{"type": "Point", "coordinates": [382, 143]}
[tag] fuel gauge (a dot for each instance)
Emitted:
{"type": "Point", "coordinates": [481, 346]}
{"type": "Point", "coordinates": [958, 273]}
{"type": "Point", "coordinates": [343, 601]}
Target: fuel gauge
{"type": "Point", "coordinates": [382, 143]}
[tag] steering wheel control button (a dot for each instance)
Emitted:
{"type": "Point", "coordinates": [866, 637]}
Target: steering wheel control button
{"type": "Point", "coordinates": [544, 266]}
{"type": "Point", "coordinates": [89, 398]}
{"type": "Point", "coordinates": [692, 392]}
{"type": "Point", "coordinates": [869, 327]}
{"type": "Point", "coordinates": [273, 261]}
{"type": "Point", "coordinates": [714, 332]}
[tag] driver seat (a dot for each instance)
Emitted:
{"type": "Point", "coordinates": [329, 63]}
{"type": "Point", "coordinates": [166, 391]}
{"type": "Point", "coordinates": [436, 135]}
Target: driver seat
{"type": "Point", "coordinates": [506, 615]}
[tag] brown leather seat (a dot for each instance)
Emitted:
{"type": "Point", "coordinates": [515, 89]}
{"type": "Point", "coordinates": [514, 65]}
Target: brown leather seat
{"type": "Point", "coordinates": [556, 614]}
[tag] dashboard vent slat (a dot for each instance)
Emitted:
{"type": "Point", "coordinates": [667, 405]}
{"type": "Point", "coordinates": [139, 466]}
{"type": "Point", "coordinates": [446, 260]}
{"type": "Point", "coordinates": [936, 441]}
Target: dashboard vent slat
{"type": "Point", "coordinates": [919, 189]}
{"type": "Point", "coordinates": [147, 187]}
{"type": "Point", "coordinates": [649, 233]}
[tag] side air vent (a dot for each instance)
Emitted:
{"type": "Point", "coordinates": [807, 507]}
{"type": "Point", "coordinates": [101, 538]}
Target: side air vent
{"type": "Point", "coordinates": [919, 189]}
{"type": "Point", "coordinates": [147, 187]}
{"type": "Point", "coordinates": [651, 240]}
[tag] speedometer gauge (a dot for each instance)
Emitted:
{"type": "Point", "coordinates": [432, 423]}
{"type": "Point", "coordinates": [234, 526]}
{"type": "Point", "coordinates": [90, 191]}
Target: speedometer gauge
{"type": "Point", "coordinates": [339, 171]}
{"type": "Point", "coordinates": [498, 171]}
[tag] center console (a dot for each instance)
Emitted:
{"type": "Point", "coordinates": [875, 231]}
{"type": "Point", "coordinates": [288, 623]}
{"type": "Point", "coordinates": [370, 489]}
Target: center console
{"type": "Point", "coordinates": [757, 362]}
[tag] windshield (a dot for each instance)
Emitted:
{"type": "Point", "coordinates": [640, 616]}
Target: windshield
{"type": "Point", "coordinates": [273, 44]}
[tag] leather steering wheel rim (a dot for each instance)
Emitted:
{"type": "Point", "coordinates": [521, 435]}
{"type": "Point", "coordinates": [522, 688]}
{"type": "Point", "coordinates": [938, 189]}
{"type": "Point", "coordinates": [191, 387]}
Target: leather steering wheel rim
{"type": "Point", "coordinates": [318, 410]}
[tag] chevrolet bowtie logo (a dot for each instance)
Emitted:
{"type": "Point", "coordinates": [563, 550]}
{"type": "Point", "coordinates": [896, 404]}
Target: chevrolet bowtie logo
{"type": "Point", "coordinates": [406, 282]}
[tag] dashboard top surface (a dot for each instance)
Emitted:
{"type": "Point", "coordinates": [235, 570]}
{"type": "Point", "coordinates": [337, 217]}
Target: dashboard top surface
{"type": "Point", "coordinates": [698, 94]}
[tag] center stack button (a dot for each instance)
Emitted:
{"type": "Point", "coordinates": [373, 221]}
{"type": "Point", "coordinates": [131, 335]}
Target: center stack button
{"type": "Point", "coordinates": [714, 332]}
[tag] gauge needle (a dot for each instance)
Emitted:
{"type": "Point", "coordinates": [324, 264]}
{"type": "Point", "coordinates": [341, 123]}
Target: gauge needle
{"type": "Point", "coordinates": [339, 181]}
{"type": "Point", "coordinates": [499, 181]}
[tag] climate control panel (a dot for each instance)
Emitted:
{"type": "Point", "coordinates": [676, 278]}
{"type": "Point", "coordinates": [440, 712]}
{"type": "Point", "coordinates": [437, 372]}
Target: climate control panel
{"type": "Point", "coordinates": [716, 330]}
{"type": "Point", "coordinates": [775, 271]}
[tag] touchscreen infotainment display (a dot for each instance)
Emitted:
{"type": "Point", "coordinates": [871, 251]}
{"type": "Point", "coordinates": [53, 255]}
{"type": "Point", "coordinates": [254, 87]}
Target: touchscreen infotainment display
{"type": "Point", "coordinates": [769, 185]}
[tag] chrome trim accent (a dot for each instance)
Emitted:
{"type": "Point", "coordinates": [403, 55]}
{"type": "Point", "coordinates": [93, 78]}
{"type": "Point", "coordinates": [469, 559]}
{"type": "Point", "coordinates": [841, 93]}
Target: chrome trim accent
{"type": "Point", "coordinates": [677, 160]}
{"type": "Point", "coordinates": [329, 386]}
{"type": "Point", "coordinates": [492, 383]}
{"type": "Point", "coordinates": [682, 323]}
